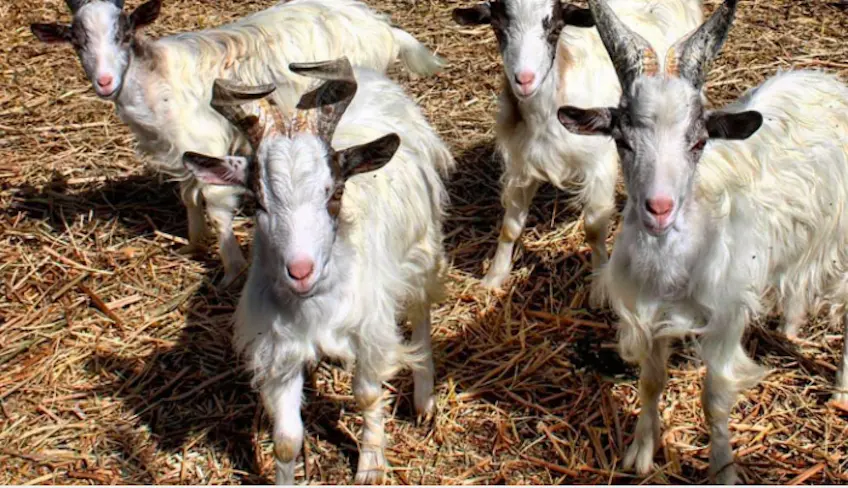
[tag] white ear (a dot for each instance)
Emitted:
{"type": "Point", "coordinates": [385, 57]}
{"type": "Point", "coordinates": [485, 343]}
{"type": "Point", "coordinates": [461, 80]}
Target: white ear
{"type": "Point", "coordinates": [230, 170]}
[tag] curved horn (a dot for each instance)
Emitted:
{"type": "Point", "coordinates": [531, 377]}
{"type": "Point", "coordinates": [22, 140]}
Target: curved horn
{"type": "Point", "coordinates": [690, 57]}
{"type": "Point", "coordinates": [332, 97]}
{"type": "Point", "coordinates": [247, 108]}
{"type": "Point", "coordinates": [631, 54]}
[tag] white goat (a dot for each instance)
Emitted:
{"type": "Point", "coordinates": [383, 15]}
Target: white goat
{"type": "Point", "coordinates": [161, 88]}
{"type": "Point", "coordinates": [331, 275]}
{"type": "Point", "coordinates": [711, 235]}
{"type": "Point", "coordinates": [552, 59]}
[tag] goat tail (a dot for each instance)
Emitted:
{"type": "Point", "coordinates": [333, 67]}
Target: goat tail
{"type": "Point", "coordinates": [416, 56]}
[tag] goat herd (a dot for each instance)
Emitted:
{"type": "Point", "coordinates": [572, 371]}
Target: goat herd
{"type": "Point", "coordinates": [729, 213]}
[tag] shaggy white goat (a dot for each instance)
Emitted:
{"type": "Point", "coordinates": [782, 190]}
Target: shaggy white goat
{"type": "Point", "coordinates": [336, 265]}
{"type": "Point", "coordinates": [551, 58]}
{"type": "Point", "coordinates": [711, 234]}
{"type": "Point", "coordinates": [161, 88]}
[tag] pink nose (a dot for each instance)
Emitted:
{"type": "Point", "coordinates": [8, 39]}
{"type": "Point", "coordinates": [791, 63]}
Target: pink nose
{"type": "Point", "coordinates": [104, 80]}
{"type": "Point", "coordinates": [525, 78]}
{"type": "Point", "coordinates": [300, 269]}
{"type": "Point", "coordinates": [660, 206]}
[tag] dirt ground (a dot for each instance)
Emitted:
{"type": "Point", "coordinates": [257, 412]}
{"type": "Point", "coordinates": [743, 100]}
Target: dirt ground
{"type": "Point", "coordinates": [530, 388]}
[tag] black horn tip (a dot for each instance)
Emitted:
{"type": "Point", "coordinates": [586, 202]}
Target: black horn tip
{"type": "Point", "coordinates": [331, 69]}
{"type": "Point", "coordinates": [231, 91]}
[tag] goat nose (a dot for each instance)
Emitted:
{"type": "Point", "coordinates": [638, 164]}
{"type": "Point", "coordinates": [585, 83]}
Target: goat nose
{"type": "Point", "coordinates": [660, 206]}
{"type": "Point", "coordinates": [525, 78]}
{"type": "Point", "coordinates": [300, 269]}
{"type": "Point", "coordinates": [104, 80]}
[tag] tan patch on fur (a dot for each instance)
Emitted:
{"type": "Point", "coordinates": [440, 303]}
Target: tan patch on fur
{"type": "Point", "coordinates": [650, 63]}
{"type": "Point", "coordinates": [563, 63]}
{"type": "Point", "coordinates": [672, 67]}
{"type": "Point", "coordinates": [513, 114]}
{"type": "Point", "coordinates": [285, 450]}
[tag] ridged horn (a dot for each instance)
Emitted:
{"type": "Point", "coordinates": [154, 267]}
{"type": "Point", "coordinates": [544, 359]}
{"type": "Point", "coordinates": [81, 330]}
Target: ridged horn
{"type": "Point", "coordinates": [690, 57]}
{"type": "Point", "coordinates": [630, 53]}
{"type": "Point", "coordinates": [331, 98]}
{"type": "Point", "coordinates": [247, 108]}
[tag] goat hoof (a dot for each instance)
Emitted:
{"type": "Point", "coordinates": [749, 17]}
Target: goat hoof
{"type": "Point", "coordinates": [372, 467]}
{"type": "Point", "coordinates": [426, 411]}
{"type": "Point", "coordinates": [285, 474]}
{"type": "Point", "coordinates": [640, 455]}
{"type": "Point", "coordinates": [228, 281]}
{"type": "Point", "coordinates": [726, 476]}
{"type": "Point", "coordinates": [192, 250]}
{"type": "Point", "coordinates": [790, 331]}
{"type": "Point", "coordinates": [493, 281]}
{"type": "Point", "coordinates": [839, 401]}
{"type": "Point", "coordinates": [596, 298]}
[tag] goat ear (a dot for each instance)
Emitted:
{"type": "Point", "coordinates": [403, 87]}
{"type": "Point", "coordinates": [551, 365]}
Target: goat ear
{"type": "Point", "coordinates": [476, 15]}
{"type": "Point", "coordinates": [229, 171]}
{"type": "Point", "coordinates": [741, 125]}
{"type": "Point", "coordinates": [592, 121]}
{"type": "Point", "coordinates": [574, 15]}
{"type": "Point", "coordinates": [369, 156]}
{"type": "Point", "coordinates": [51, 32]}
{"type": "Point", "coordinates": [145, 14]}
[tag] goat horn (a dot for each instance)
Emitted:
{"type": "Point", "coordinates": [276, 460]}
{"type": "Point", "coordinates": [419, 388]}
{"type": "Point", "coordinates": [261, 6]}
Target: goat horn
{"type": "Point", "coordinates": [331, 98]}
{"type": "Point", "coordinates": [75, 5]}
{"type": "Point", "coordinates": [630, 53]}
{"type": "Point", "coordinates": [690, 57]}
{"type": "Point", "coordinates": [247, 108]}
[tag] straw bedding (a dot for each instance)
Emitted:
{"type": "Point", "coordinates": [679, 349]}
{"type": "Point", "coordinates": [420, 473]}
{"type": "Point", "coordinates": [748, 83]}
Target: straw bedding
{"type": "Point", "coordinates": [115, 363]}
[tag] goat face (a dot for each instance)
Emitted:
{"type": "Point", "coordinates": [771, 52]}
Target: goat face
{"type": "Point", "coordinates": [298, 182]}
{"type": "Point", "coordinates": [102, 35]}
{"type": "Point", "coordinates": [660, 125]}
{"type": "Point", "coordinates": [527, 32]}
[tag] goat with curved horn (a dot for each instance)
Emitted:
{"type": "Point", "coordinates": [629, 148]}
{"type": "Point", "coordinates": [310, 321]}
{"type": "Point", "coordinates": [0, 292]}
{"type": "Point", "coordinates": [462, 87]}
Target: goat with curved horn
{"type": "Point", "coordinates": [630, 53]}
{"type": "Point", "coordinates": [331, 98]}
{"type": "Point", "coordinates": [247, 108]}
{"type": "Point", "coordinates": [690, 57]}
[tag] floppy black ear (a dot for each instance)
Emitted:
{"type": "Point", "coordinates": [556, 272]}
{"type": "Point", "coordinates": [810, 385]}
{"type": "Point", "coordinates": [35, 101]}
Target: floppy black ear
{"type": "Point", "coordinates": [51, 32]}
{"type": "Point", "coordinates": [229, 171]}
{"type": "Point", "coordinates": [574, 15]}
{"type": "Point", "coordinates": [476, 15]}
{"type": "Point", "coordinates": [591, 121]}
{"type": "Point", "coordinates": [369, 156]}
{"type": "Point", "coordinates": [741, 125]}
{"type": "Point", "coordinates": [145, 14]}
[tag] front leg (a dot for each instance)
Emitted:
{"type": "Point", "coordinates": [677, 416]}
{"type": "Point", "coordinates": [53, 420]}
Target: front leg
{"type": "Point", "coordinates": [423, 375]}
{"type": "Point", "coordinates": [729, 371]}
{"type": "Point", "coordinates": [221, 204]}
{"type": "Point", "coordinates": [653, 376]}
{"type": "Point", "coordinates": [598, 196]}
{"type": "Point", "coordinates": [368, 392]}
{"type": "Point", "coordinates": [282, 399]}
{"type": "Point", "coordinates": [516, 201]}
{"type": "Point", "coordinates": [197, 229]}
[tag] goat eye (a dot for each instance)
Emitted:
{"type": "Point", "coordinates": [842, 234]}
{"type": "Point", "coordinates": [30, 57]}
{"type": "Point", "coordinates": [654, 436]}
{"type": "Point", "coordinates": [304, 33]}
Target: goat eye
{"type": "Point", "coordinates": [699, 145]}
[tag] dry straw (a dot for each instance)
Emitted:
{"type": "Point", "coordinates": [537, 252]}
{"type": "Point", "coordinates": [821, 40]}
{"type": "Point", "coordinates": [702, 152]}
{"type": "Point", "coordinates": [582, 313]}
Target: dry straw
{"type": "Point", "coordinates": [115, 364]}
